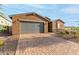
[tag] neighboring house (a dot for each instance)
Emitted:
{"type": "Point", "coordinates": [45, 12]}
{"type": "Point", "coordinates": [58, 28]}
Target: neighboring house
{"type": "Point", "coordinates": [4, 22]}
{"type": "Point", "coordinates": [4, 19]}
{"type": "Point", "coordinates": [33, 23]}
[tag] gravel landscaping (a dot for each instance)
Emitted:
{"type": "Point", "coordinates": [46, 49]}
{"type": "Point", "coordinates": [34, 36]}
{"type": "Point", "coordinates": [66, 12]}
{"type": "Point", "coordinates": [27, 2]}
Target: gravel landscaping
{"type": "Point", "coordinates": [9, 47]}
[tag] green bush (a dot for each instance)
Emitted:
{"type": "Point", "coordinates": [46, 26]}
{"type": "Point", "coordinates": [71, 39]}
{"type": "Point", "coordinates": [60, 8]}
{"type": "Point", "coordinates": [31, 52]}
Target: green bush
{"type": "Point", "coordinates": [3, 28]}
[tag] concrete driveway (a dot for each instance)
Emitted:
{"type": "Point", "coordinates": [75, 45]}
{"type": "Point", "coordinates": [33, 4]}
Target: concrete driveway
{"type": "Point", "coordinates": [45, 44]}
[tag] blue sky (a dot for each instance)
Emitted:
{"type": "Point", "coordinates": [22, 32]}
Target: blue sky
{"type": "Point", "coordinates": [69, 13]}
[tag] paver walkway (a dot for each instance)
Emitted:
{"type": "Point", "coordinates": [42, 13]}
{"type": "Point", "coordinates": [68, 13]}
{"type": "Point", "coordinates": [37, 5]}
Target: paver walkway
{"type": "Point", "coordinates": [45, 44]}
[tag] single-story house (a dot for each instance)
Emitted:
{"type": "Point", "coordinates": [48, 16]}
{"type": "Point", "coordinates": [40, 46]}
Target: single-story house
{"type": "Point", "coordinates": [34, 23]}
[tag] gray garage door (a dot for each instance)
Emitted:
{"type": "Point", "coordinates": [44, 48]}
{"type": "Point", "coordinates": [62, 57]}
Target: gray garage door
{"type": "Point", "coordinates": [30, 27]}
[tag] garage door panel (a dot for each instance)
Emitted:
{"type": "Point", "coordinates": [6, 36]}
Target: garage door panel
{"type": "Point", "coordinates": [27, 27]}
{"type": "Point", "coordinates": [41, 27]}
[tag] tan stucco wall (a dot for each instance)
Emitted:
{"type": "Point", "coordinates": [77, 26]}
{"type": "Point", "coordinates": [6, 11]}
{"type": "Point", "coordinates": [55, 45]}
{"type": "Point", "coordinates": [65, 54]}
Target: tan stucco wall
{"type": "Point", "coordinates": [15, 28]}
{"type": "Point", "coordinates": [46, 27]}
{"type": "Point", "coordinates": [54, 26]}
{"type": "Point", "coordinates": [61, 24]}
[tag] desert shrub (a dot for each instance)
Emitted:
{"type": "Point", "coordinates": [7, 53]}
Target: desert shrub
{"type": "Point", "coordinates": [72, 32]}
{"type": "Point", "coordinates": [66, 35]}
{"type": "Point", "coordinates": [62, 33]}
{"type": "Point", "coordinates": [67, 32]}
{"type": "Point", "coordinates": [73, 35]}
{"type": "Point", "coordinates": [1, 43]}
{"type": "Point", "coordinates": [76, 35]}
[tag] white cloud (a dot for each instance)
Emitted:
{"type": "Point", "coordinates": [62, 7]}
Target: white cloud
{"type": "Point", "coordinates": [71, 10]}
{"type": "Point", "coordinates": [36, 5]}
